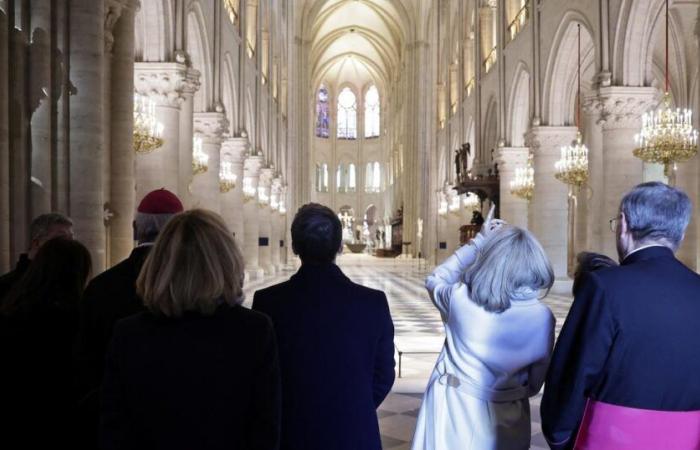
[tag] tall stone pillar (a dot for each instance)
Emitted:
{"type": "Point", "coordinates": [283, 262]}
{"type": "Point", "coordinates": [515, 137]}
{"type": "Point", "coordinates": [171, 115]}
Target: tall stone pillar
{"type": "Point", "coordinates": [233, 150]}
{"type": "Point", "coordinates": [209, 127]}
{"type": "Point", "coordinates": [549, 206]}
{"type": "Point", "coordinates": [121, 158]}
{"type": "Point", "coordinates": [593, 195]}
{"type": "Point", "coordinates": [687, 180]}
{"type": "Point", "coordinates": [514, 210]}
{"type": "Point", "coordinates": [265, 217]}
{"type": "Point", "coordinates": [86, 143]}
{"type": "Point", "coordinates": [4, 148]}
{"type": "Point", "coordinates": [186, 134]}
{"type": "Point", "coordinates": [621, 109]}
{"type": "Point", "coordinates": [251, 174]}
{"type": "Point", "coordinates": [164, 83]}
{"type": "Point", "coordinates": [276, 228]}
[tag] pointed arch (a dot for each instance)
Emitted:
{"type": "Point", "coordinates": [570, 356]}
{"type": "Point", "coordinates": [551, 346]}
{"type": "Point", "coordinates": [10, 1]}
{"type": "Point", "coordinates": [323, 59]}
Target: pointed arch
{"type": "Point", "coordinates": [519, 106]}
{"type": "Point", "coordinates": [199, 49]}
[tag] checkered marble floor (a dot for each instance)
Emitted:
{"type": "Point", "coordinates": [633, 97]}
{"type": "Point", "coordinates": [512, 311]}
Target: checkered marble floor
{"type": "Point", "coordinates": [417, 328]}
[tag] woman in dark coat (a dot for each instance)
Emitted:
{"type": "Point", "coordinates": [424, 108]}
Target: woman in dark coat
{"type": "Point", "coordinates": [197, 370]}
{"type": "Point", "coordinates": [38, 324]}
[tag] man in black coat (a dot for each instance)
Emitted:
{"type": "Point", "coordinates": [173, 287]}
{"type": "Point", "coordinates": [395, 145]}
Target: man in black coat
{"type": "Point", "coordinates": [42, 229]}
{"type": "Point", "coordinates": [335, 342]}
{"type": "Point", "coordinates": [631, 336]}
{"type": "Point", "coordinates": [111, 296]}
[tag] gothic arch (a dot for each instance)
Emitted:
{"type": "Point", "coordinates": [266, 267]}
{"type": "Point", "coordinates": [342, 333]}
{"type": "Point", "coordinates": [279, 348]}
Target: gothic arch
{"type": "Point", "coordinates": [559, 96]}
{"type": "Point", "coordinates": [230, 92]}
{"type": "Point", "coordinates": [519, 106]}
{"type": "Point", "coordinates": [152, 32]}
{"type": "Point", "coordinates": [199, 49]}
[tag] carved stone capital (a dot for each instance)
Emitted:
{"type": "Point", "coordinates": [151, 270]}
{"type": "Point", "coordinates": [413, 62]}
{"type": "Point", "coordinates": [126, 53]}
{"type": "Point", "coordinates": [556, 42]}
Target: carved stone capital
{"type": "Point", "coordinates": [266, 175]}
{"type": "Point", "coordinates": [164, 82]}
{"type": "Point", "coordinates": [211, 126]}
{"type": "Point", "coordinates": [235, 149]}
{"type": "Point", "coordinates": [623, 107]}
{"type": "Point", "coordinates": [511, 157]}
{"type": "Point", "coordinates": [252, 166]}
{"type": "Point", "coordinates": [540, 138]}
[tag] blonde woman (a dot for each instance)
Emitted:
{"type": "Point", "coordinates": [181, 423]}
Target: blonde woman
{"type": "Point", "coordinates": [499, 338]}
{"type": "Point", "coordinates": [197, 370]}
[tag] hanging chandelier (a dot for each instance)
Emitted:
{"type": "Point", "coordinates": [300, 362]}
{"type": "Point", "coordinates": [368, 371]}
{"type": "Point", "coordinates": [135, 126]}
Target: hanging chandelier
{"type": "Point", "coordinates": [200, 160]}
{"type": "Point", "coordinates": [227, 179]}
{"type": "Point", "coordinates": [667, 136]}
{"type": "Point", "coordinates": [523, 185]}
{"type": "Point", "coordinates": [572, 167]}
{"type": "Point", "coordinates": [148, 130]}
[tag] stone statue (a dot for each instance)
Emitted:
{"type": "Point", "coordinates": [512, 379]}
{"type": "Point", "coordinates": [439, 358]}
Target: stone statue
{"type": "Point", "coordinates": [458, 164]}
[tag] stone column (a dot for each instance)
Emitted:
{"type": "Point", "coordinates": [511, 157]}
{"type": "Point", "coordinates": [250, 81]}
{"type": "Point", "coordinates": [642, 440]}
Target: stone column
{"type": "Point", "coordinates": [209, 127]}
{"type": "Point", "coordinates": [186, 134]}
{"type": "Point", "coordinates": [5, 263]}
{"type": "Point", "coordinates": [275, 234]}
{"type": "Point", "coordinates": [621, 109]}
{"type": "Point", "coordinates": [687, 180]}
{"type": "Point", "coordinates": [164, 82]}
{"type": "Point", "coordinates": [251, 174]}
{"type": "Point", "coordinates": [593, 195]}
{"type": "Point", "coordinates": [265, 217]}
{"type": "Point", "coordinates": [121, 158]}
{"type": "Point", "coordinates": [86, 143]}
{"type": "Point", "coordinates": [514, 210]}
{"type": "Point", "coordinates": [234, 151]}
{"type": "Point", "coordinates": [549, 207]}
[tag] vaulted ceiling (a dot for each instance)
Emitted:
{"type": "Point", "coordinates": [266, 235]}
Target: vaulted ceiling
{"type": "Point", "coordinates": [355, 41]}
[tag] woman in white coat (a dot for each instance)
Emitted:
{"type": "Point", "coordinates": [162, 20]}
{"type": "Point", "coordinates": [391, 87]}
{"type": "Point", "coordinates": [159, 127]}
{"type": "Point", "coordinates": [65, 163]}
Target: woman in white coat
{"type": "Point", "coordinates": [499, 338]}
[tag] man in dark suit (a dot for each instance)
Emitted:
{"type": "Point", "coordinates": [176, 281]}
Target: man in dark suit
{"type": "Point", "coordinates": [631, 337]}
{"type": "Point", "coordinates": [111, 296]}
{"type": "Point", "coordinates": [42, 229]}
{"type": "Point", "coordinates": [335, 342]}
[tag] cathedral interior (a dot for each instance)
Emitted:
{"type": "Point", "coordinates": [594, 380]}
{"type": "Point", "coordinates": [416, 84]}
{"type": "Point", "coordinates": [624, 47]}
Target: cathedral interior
{"type": "Point", "coordinates": [408, 118]}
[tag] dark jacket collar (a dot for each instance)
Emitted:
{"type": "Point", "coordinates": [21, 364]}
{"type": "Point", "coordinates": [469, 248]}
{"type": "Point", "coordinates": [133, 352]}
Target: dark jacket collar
{"type": "Point", "coordinates": [308, 270]}
{"type": "Point", "coordinates": [647, 254]}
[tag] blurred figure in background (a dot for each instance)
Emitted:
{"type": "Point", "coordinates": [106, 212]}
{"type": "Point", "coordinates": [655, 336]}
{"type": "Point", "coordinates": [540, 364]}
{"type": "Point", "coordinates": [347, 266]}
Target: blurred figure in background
{"type": "Point", "coordinates": [112, 296]}
{"type": "Point", "coordinates": [38, 326]}
{"type": "Point", "coordinates": [196, 370]}
{"type": "Point", "coordinates": [42, 229]}
{"type": "Point", "coordinates": [588, 262]}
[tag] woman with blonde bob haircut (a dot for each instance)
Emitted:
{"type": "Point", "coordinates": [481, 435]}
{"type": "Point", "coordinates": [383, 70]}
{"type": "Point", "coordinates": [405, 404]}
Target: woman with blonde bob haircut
{"type": "Point", "coordinates": [499, 339]}
{"type": "Point", "coordinates": [196, 370]}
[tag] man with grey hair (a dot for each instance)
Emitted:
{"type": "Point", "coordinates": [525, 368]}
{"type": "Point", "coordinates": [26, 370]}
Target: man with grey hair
{"type": "Point", "coordinates": [624, 373]}
{"type": "Point", "coordinates": [111, 296]}
{"type": "Point", "coordinates": [42, 229]}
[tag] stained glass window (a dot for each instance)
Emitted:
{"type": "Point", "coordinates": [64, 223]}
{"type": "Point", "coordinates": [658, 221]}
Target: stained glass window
{"type": "Point", "coordinates": [339, 179]}
{"type": "Point", "coordinates": [322, 177]}
{"type": "Point", "coordinates": [372, 110]}
{"type": "Point", "coordinates": [373, 177]}
{"type": "Point", "coordinates": [323, 119]}
{"type": "Point", "coordinates": [347, 114]}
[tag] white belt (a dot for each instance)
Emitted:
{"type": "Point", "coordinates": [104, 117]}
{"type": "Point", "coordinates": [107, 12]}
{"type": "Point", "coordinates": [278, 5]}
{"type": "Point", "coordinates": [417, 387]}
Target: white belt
{"type": "Point", "coordinates": [470, 388]}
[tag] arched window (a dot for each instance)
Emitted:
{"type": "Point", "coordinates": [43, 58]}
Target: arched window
{"type": "Point", "coordinates": [372, 110]}
{"type": "Point", "coordinates": [339, 179]}
{"type": "Point", "coordinates": [323, 120]}
{"type": "Point", "coordinates": [347, 114]}
{"type": "Point", "coordinates": [373, 177]}
{"type": "Point", "coordinates": [322, 177]}
{"type": "Point", "coordinates": [352, 178]}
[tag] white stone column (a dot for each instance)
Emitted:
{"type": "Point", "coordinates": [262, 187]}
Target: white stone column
{"type": "Point", "coordinates": [234, 151]}
{"type": "Point", "coordinates": [621, 109]}
{"type": "Point", "coordinates": [593, 194]}
{"type": "Point", "coordinates": [86, 139]}
{"type": "Point", "coordinates": [251, 174]}
{"type": "Point", "coordinates": [186, 135]}
{"type": "Point", "coordinates": [275, 234]}
{"type": "Point", "coordinates": [5, 263]}
{"type": "Point", "coordinates": [549, 206]}
{"type": "Point", "coordinates": [514, 210]}
{"type": "Point", "coordinates": [265, 217]}
{"type": "Point", "coordinates": [121, 192]}
{"type": "Point", "coordinates": [164, 82]}
{"type": "Point", "coordinates": [209, 127]}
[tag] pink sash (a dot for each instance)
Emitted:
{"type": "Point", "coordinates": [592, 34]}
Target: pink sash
{"type": "Point", "coordinates": [611, 427]}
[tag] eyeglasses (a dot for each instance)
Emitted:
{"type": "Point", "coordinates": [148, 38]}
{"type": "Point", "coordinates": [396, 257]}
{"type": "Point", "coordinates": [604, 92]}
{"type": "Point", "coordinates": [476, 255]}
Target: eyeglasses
{"type": "Point", "coordinates": [613, 224]}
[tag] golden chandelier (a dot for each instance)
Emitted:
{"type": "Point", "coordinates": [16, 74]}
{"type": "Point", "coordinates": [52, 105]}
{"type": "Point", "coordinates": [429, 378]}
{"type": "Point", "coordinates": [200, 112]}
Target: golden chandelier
{"type": "Point", "coordinates": [148, 130]}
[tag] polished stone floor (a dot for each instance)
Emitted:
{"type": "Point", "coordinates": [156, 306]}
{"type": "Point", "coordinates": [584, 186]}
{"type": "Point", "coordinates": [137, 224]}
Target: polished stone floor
{"type": "Point", "coordinates": [417, 329]}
